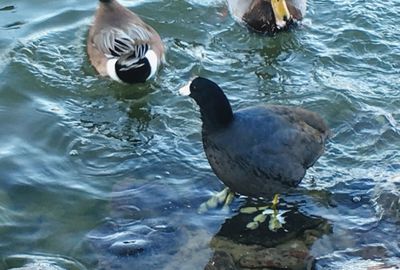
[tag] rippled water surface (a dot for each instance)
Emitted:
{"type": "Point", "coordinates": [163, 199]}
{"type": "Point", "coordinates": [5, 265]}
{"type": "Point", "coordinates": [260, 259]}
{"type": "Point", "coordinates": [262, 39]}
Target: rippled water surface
{"type": "Point", "coordinates": [99, 175]}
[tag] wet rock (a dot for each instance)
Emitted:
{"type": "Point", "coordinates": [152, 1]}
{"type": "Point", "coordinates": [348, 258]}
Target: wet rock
{"type": "Point", "coordinates": [296, 224]}
{"type": "Point", "coordinates": [287, 248]}
{"type": "Point", "coordinates": [292, 255]}
{"type": "Point", "coordinates": [289, 258]}
{"type": "Point", "coordinates": [129, 247]}
{"type": "Point", "coordinates": [221, 260]}
{"type": "Point", "coordinates": [123, 242]}
{"type": "Point", "coordinates": [195, 252]}
{"type": "Point", "coordinates": [370, 257]}
{"type": "Point", "coordinates": [150, 226]}
{"type": "Point", "coordinates": [333, 262]}
{"type": "Point", "coordinates": [371, 252]}
{"type": "Point", "coordinates": [311, 235]}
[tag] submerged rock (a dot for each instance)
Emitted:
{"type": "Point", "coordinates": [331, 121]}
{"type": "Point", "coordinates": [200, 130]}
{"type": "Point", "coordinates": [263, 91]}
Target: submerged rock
{"type": "Point", "coordinates": [221, 260]}
{"type": "Point", "coordinates": [370, 257]}
{"type": "Point", "coordinates": [151, 226]}
{"type": "Point", "coordinates": [295, 225]}
{"type": "Point", "coordinates": [294, 256]}
{"type": "Point", "coordinates": [237, 247]}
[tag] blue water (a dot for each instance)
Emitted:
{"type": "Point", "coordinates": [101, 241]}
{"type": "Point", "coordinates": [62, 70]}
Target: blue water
{"type": "Point", "coordinates": [86, 163]}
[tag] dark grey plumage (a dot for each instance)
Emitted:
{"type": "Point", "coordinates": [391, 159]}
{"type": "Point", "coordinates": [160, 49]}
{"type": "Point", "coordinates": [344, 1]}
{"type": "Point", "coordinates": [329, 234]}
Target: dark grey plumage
{"type": "Point", "coordinates": [258, 151]}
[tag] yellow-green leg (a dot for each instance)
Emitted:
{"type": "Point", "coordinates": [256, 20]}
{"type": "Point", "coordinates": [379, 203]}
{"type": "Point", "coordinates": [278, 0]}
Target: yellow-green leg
{"type": "Point", "coordinates": [275, 201]}
{"type": "Point", "coordinates": [275, 222]}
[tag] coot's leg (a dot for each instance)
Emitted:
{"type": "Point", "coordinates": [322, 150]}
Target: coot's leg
{"type": "Point", "coordinates": [228, 200]}
{"type": "Point", "coordinates": [275, 201]}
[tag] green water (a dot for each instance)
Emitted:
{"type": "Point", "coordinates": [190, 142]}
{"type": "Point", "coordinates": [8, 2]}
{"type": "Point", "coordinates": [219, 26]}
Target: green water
{"type": "Point", "coordinates": [79, 152]}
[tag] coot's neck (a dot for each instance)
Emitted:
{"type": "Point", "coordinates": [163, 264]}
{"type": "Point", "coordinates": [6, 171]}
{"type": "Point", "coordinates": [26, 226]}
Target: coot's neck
{"type": "Point", "coordinates": [216, 114]}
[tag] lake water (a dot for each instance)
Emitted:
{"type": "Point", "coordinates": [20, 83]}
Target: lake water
{"type": "Point", "coordinates": [99, 175]}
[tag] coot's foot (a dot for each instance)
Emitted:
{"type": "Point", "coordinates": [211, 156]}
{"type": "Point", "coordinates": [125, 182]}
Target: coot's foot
{"type": "Point", "coordinates": [225, 196]}
{"type": "Point", "coordinates": [276, 220]}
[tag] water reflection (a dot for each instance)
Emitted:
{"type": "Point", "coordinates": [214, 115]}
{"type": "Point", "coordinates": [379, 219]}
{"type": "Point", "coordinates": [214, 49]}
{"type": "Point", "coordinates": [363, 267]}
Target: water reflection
{"type": "Point", "coordinates": [42, 262]}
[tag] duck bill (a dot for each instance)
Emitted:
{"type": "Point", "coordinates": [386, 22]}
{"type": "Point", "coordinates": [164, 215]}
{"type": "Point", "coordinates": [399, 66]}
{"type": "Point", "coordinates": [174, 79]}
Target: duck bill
{"type": "Point", "coordinates": [281, 12]}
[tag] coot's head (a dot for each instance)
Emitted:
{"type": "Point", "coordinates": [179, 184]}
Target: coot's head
{"type": "Point", "coordinates": [216, 112]}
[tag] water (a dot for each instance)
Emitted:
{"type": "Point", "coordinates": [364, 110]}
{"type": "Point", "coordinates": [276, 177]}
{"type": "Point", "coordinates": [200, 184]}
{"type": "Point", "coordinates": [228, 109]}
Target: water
{"type": "Point", "coordinates": [86, 163]}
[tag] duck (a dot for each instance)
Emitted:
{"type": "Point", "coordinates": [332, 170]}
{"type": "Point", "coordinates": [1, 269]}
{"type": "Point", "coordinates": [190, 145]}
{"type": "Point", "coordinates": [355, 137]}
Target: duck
{"type": "Point", "coordinates": [257, 151]}
{"type": "Point", "coordinates": [122, 46]}
{"type": "Point", "coordinates": [267, 16]}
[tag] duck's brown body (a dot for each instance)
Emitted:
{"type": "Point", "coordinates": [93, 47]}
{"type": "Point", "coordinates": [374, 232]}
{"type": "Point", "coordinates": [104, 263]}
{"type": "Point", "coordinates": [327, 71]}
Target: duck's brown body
{"type": "Point", "coordinates": [114, 23]}
{"type": "Point", "coordinates": [259, 16]}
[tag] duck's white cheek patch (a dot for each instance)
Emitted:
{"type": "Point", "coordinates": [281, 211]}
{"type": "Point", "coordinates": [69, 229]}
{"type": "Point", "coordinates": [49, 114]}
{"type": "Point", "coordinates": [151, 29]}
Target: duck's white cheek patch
{"type": "Point", "coordinates": [185, 91]}
{"type": "Point", "coordinates": [152, 58]}
{"type": "Point", "coordinates": [111, 69]}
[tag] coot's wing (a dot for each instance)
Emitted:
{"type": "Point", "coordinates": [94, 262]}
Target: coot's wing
{"type": "Point", "coordinates": [280, 159]}
{"type": "Point", "coordinates": [311, 133]}
{"type": "Point", "coordinates": [313, 120]}
{"type": "Point", "coordinates": [280, 142]}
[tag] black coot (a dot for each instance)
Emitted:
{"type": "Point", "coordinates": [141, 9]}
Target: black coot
{"type": "Point", "coordinates": [257, 151]}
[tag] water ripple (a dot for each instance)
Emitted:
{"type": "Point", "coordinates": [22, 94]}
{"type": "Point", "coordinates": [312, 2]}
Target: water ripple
{"type": "Point", "coordinates": [73, 143]}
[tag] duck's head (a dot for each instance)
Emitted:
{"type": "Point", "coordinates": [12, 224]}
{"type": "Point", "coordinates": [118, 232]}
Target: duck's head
{"type": "Point", "coordinates": [216, 112]}
{"type": "Point", "coordinates": [266, 16]}
{"type": "Point", "coordinates": [281, 13]}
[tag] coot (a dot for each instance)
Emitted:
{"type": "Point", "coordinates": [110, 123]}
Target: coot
{"type": "Point", "coordinates": [257, 151]}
